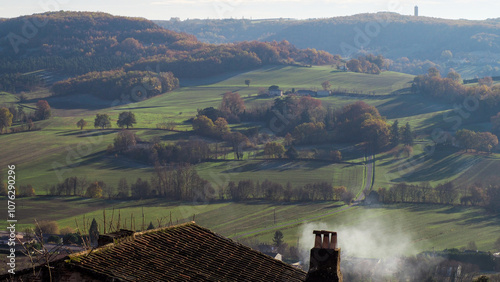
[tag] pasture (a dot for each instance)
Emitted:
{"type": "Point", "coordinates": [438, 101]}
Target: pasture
{"type": "Point", "coordinates": [413, 227]}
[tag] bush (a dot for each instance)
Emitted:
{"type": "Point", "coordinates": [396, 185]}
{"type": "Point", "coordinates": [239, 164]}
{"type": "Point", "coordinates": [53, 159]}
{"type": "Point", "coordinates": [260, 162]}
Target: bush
{"type": "Point", "coordinates": [54, 239]}
{"type": "Point", "coordinates": [71, 238]}
{"type": "Point", "coordinates": [67, 230]}
{"type": "Point", "coordinates": [47, 227]}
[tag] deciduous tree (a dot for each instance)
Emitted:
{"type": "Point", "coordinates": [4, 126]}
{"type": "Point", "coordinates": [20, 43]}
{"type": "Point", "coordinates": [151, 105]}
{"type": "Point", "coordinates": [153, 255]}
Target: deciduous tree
{"type": "Point", "coordinates": [232, 104]}
{"type": "Point", "coordinates": [274, 150]}
{"type": "Point", "coordinates": [376, 132]}
{"type": "Point", "coordinates": [81, 124]}
{"type": "Point", "coordinates": [5, 118]}
{"type": "Point", "coordinates": [94, 190]}
{"type": "Point", "coordinates": [203, 125]}
{"type": "Point", "coordinates": [335, 155]}
{"type": "Point", "coordinates": [126, 119]}
{"type": "Point", "coordinates": [124, 140]}
{"type": "Point", "coordinates": [102, 121]}
{"type": "Point", "coordinates": [43, 110]}
{"type": "Point", "coordinates": [326, 85]}
{"type": "Point", "coordinates": [221, 127]}
{"type": "Point", "coordinates": [47, 227]}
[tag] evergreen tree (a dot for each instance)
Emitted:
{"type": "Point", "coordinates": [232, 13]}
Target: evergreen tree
{"type": "Point", "coordinates": [93, 232]}
{"type": "Point", "coordinates": [151, 226]}
{"type": "Point", "coordinates": [395, 136]}
{"type": "Point", "coordinates": [278, 238]}
{"type": "Point", "coordinates": [407, 135]}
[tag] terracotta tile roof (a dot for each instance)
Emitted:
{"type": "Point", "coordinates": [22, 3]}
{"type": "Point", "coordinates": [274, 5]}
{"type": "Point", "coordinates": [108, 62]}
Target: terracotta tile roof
{"type": "Point", "coordinates": [185, 252]}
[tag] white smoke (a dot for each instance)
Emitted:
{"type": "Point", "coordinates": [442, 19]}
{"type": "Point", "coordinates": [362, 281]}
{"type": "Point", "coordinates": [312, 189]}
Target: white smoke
{"type": "Point", "coordinates": [365, 239]}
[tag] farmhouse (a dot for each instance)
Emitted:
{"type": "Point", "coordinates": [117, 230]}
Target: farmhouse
{"type": "Point", "coordinates": [275, 91]}
{"type": "Point", "coordinates": [185, 252]}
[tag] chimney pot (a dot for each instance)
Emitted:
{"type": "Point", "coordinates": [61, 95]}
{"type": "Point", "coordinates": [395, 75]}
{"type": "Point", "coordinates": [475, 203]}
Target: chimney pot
{"type": "Point", "coordinates": [317, 241]}
{"type": "Point", "coordinates": [326, 240]}
{"type": "Point", "coordinates": [333, 241]}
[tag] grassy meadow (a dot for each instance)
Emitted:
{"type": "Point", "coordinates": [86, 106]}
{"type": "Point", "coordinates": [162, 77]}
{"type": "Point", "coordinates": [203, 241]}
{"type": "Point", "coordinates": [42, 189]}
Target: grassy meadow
{"type": "Point", "coordinates": [59, 150]}
{"type": "Point", "coordinates": [422, 226]}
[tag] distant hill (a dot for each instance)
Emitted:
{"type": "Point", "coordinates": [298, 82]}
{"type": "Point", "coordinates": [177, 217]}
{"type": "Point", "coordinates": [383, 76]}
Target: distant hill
{"type": "Point", "coordinates": [472, 43]}
{"type": "Point", "coordinates": [79, 42]}
{"type": "Point", "coordinates": [76, 43]}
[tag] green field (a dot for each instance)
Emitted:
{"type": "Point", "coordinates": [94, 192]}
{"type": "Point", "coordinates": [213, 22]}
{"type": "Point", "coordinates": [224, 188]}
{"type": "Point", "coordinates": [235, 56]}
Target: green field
{"type": "Point", "coordinates": [60, 150]}
{"type": "Point", "coordinates": [422, 227]}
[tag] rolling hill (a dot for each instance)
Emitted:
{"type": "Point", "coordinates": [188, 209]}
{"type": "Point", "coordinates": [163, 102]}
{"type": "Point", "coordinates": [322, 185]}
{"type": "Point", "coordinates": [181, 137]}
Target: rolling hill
{"type": "Point", "coordinates": [473, 44]}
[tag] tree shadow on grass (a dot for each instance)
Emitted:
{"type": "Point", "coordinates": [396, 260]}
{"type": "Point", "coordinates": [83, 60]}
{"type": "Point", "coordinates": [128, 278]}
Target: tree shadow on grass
{"type": "Point", "coordinates": [125, 108]}
{"type": "Point", "coordinates": [435, 167]}
{"type": "Point", "coordinates": [481, 217]}
{"type": "Point", "coordinates": [410, 105]}
{"type": "Point", "coordinates": [278, 165]}
{"type": "Point", "coordinates": [88, 133]}
{"type": "Point", "coordinates": [177, 136]}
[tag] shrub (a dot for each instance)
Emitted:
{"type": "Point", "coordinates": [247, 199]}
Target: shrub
{"type": "Point", "coordinates": [47, 227]}
{"type": "Point", "coordinates": [54, 239]}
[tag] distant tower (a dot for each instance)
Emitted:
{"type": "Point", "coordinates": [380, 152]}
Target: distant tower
{"type": "Point", "coordinates": [416, 11]}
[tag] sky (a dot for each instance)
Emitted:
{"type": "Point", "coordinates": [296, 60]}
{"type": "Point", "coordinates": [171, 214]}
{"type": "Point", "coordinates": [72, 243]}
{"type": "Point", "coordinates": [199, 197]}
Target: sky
{"type": "Point", "coordinates": [256, 9]}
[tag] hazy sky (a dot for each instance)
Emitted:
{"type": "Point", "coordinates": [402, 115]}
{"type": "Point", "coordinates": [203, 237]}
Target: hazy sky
{"type": "Point", "coordinates": [300, 9]}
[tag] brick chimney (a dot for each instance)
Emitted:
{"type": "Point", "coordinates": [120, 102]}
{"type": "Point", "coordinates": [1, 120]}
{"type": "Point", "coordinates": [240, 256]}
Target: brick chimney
{"type": "Point", "coordinates": [325, 258]}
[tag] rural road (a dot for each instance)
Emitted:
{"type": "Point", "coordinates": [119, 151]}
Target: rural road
{"type": "Point", "coordinates": [368, 184]}
{"type": "Point", "coordinates": [368, 180]}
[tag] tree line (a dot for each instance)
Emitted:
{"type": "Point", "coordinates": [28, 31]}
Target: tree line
{"type": "Point", "coordinates": [452, 90]}
{"type": "Point", "coordinates": [77, 43]}
{"type": "Point", "coordinates": [17, 82]}
{"type": "Point", "coordinates": [368, 64]}
{"type": "Point", "coordinates": [13, 114]}
{"type": "Point", "coordinates": [182, 182]}
{"type": "Point", "coordinates": [113, 84]}
{"type": "Point", "coordinates": [446, 193]}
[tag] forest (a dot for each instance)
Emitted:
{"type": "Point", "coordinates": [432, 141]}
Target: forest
{"type": "Point", "coordinates": [76, 43]}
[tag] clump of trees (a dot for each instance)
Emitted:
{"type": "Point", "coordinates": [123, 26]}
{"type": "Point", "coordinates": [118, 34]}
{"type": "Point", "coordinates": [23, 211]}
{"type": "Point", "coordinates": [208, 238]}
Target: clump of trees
{"type": "Point", "coordinates": [274, 150]}
{"type": "Point", "coordinates": [17, 82]}
{"type": "Point", "coordinates": [124, 140]}
{"type": "Point", "coordinates": [12, 114]}
{"type": "Point", "coordinates": [484, 98]}
{"type": "Point", "coordinates": [137, 85]}
{"type": "Point", "coordinates": [479, 141]}
{"type": "Point", "coordinates": [368, 64]}
{"type": "Point", "coordinates": [362, 122]}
